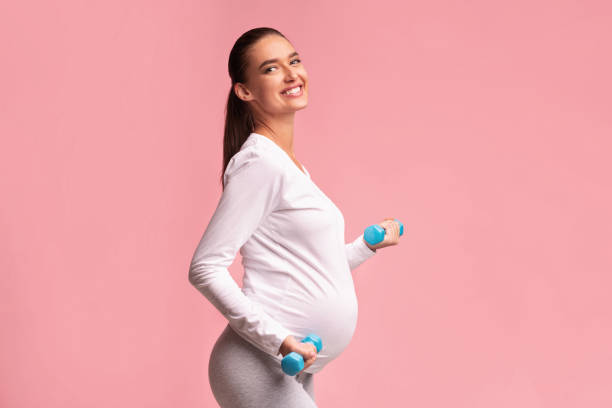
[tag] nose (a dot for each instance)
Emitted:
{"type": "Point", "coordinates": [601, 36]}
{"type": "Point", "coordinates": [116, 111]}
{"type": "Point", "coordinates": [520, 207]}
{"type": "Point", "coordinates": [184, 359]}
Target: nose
{"type": "Point", "coordinates": [290, 72]}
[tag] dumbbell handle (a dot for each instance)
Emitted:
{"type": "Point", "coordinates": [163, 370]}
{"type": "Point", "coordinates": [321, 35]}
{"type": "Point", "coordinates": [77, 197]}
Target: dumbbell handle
{"type": "Point", "coordinates": [375, 233]}
{"type": "Point", "coordinates": [293, 362]}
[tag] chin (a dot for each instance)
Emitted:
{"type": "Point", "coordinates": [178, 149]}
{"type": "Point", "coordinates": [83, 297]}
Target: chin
{"type": "Point", "coordinates": [294, 108]}
{"type": "Point", "coordinates": [301, 104]}
{"type": "Point", "coordinates": [304, 105]}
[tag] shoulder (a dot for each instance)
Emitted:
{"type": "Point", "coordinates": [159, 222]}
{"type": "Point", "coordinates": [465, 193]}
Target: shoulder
{"type": "Point", "coordinates": [255, 161]}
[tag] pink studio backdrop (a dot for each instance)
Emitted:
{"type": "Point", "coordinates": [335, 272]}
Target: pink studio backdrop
{"type": "Point", "coordinates": [484, 126]}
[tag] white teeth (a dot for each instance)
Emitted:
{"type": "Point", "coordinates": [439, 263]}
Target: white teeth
{"type": "Point", "coordinates": [293, 90]}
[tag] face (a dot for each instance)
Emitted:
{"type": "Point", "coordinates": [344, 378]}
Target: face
{"type": "Point", "coordinates": [274, 66]}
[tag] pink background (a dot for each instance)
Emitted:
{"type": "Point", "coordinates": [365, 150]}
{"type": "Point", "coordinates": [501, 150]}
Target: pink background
{"type": "Point", "coordinates": [484, 126]}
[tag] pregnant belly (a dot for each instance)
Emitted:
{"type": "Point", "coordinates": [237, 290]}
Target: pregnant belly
{"type": "Point", "coordinates": [333, 318]}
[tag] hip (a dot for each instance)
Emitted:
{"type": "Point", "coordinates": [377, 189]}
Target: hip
{"type": "Point", "coordinates": [237, 368]}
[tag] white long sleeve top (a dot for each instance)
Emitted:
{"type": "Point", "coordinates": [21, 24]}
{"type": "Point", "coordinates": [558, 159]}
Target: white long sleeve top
{"type": "Point", "coordinates": [297, 266]}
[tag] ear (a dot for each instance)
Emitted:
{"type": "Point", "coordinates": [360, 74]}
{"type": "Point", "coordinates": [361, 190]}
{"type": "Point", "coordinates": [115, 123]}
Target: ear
{"type": "Point", "coordinates": [242, 92]}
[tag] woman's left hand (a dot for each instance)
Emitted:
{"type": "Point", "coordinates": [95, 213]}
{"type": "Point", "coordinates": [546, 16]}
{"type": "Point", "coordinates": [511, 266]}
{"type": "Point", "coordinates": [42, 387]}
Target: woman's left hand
{"type": "Point", "coordinates": [391, 234]}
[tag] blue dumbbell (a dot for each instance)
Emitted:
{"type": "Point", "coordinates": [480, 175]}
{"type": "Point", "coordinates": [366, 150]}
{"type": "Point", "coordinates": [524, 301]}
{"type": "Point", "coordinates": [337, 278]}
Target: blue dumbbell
{"type": "Point", "coordinates": [293, 362]}
{"type": "Point", "coordinates": [375, 233]}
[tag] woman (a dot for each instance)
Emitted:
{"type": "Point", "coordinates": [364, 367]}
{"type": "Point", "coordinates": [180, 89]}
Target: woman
{"type": "Point", "coordinates": [297, 267]}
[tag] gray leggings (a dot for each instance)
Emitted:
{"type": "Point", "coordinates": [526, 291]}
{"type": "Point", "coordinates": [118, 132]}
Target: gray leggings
{"type": "Point", "coordinates": [242, 376]}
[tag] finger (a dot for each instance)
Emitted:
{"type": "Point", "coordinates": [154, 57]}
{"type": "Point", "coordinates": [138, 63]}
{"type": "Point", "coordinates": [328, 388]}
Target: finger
{"type": "Point", "coordinates": [310, 351]}
{"type": "Point", "coordinates": [313, 352]}
{"type": "Point", "coordinates": [391, 234]}
{"type": "Point", "coordinates": [309, 362]}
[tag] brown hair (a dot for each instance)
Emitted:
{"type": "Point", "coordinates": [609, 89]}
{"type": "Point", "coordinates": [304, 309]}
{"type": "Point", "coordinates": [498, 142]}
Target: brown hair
{"type": "Point", "coordinates": [239, 121]}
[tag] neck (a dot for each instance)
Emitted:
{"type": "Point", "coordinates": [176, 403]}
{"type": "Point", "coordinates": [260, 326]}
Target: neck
{"type": "Point", "coordinates": [280, 130]}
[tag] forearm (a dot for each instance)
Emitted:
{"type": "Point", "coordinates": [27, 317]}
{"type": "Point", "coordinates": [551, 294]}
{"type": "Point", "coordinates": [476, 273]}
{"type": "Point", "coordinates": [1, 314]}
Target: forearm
{"type": "Point", "coordinates": [358, 251]}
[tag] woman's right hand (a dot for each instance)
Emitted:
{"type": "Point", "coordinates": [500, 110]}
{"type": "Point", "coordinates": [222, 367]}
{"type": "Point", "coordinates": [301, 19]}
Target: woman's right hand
{"type": "Point", "coordinates": [308, 351]}
{"type": "Point", "coordinates": [392, 234]}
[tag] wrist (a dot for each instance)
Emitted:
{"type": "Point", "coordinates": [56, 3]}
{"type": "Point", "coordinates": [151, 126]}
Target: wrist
{"type": "Point", "coordinates": [284, 348]}
{"type": "Point", "coordinates": [369, 246]}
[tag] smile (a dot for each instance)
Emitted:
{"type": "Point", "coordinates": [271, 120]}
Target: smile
{"type": "Point", "coordinates": [293, 92]}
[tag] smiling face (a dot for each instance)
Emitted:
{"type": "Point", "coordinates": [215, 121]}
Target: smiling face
{"type": "Point", "coordinates": [274, 67]}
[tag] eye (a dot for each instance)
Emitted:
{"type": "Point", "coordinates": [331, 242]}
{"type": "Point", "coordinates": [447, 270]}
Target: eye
{"type": "Point", "coordinates": [268, 69]}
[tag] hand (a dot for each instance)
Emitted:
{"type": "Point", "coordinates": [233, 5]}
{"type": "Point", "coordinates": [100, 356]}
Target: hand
{"type": "Point", "coordinates": [308, 351]}
{"type": "Point", "coordinates": [391, 234]}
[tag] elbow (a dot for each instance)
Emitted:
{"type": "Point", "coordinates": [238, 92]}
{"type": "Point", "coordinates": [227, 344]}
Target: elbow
{"type": "Point", "coordinates": [205, 269]}
{"type": "Point", "coordinates": [352, 265]}
{"type": "Point", "coordinates": [192, 276]}
{"type": "Point", "coordinates": [202, 274]}
{"type": "Point", "coordinates": [196, 275]}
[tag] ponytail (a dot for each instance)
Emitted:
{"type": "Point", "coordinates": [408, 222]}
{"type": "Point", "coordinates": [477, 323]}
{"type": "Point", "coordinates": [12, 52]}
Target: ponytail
{"type": "Point", "coordinates": [239, 120]}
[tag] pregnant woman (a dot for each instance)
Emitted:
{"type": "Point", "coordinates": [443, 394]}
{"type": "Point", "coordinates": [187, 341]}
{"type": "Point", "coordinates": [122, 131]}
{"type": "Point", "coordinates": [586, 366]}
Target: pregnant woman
{"type": "Point", "coordinates": [297, 266]}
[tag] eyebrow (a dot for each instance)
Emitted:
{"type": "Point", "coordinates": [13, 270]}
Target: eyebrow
{"type": "Point", "coordinates": [276, 59]}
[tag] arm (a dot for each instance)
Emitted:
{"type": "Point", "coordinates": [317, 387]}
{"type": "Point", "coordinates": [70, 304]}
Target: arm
{"type": "Point", "coordinates": [357, 252]}
{"type": "Point", "coordinates": [251, 192]}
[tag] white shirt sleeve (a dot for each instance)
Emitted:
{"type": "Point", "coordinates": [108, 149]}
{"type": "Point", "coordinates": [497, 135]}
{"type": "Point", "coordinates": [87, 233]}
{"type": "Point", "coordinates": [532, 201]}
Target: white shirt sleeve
{"type": "Point", "coordinates": [252, 190]}
{"type": "Point", "coordinates": [357, 252]}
